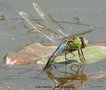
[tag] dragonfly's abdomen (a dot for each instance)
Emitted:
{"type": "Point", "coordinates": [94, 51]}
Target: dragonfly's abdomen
{"type": "Point", "coordinates": [61, 49]}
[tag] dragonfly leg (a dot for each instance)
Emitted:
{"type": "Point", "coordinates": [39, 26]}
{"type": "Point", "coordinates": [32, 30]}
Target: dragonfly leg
{"type": "Point", "coordinates": [82, 58]}
{"type": "Point", "coordinates": [83, 65]}
{"type": "Point", "coordinates": [81, 55]}
{"type": "Point", "coordinates": [65, 63]}
{"type": "Point", "coordinates": [67, 53]}
{"type": "Point", "coordinates": [72, 54]}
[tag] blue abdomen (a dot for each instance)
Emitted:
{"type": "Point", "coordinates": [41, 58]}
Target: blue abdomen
{"type": "Point", "coordinates": [62, 48]}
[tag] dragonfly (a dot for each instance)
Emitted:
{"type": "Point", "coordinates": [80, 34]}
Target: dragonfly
{"type": "Point", "coordinates": [56, 33]}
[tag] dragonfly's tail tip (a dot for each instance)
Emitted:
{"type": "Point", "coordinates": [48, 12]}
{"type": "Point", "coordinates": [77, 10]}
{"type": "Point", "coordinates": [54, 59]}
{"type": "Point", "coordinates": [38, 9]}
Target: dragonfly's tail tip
{"type": "Point", "coordinates": [45, 68]}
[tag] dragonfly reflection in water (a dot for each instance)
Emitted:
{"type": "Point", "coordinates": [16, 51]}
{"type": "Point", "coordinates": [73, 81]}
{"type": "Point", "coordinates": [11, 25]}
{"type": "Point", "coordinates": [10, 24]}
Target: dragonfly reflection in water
{"type": "Point", "coordinates": [56, 33]}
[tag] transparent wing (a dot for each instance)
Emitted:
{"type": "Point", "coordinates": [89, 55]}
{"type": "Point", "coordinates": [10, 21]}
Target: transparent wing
{"type": "Point", "coordinates": [39, 27]}
{"type": "Point", "coordinates": [49, 19]}
{"type": "Point", "coordinates": [76, 35]}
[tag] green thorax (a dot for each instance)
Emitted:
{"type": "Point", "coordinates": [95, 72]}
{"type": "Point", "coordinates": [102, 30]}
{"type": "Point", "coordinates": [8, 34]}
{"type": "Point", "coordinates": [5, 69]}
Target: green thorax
{"type": "Point", "coordinates": [74, 44]}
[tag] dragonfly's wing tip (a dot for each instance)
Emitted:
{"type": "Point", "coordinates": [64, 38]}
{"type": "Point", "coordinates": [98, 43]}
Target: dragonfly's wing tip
{"type": "Point", "coordinates": [21, 12]}
{"type": "Point", "coordinates": [34, 4]}
{"type": "Point", "coordinates": [91, 30]}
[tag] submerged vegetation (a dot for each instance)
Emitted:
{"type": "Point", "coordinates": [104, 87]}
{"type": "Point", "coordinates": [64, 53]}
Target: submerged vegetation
{"type": "Point", "coordinates": [38, 53]}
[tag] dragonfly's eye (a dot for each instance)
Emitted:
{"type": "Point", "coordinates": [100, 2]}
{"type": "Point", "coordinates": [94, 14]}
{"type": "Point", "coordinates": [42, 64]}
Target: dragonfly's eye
{"type": "Point", "coordinates": [85, 43]}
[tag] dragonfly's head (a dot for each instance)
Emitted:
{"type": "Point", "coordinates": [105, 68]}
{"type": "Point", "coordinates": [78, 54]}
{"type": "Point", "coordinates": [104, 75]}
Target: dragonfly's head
{"type": "Point", "coordinates": [84, 42]}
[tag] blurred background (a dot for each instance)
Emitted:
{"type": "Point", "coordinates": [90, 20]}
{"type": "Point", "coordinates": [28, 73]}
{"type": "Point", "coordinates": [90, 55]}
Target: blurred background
{"type": "Point", "coordinates": [74, 15]}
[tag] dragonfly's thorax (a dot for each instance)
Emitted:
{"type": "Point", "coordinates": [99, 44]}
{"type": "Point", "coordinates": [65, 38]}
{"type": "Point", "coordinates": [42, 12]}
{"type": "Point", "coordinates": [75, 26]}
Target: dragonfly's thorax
{"type": "Point", "coordinates": [74, 44]}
